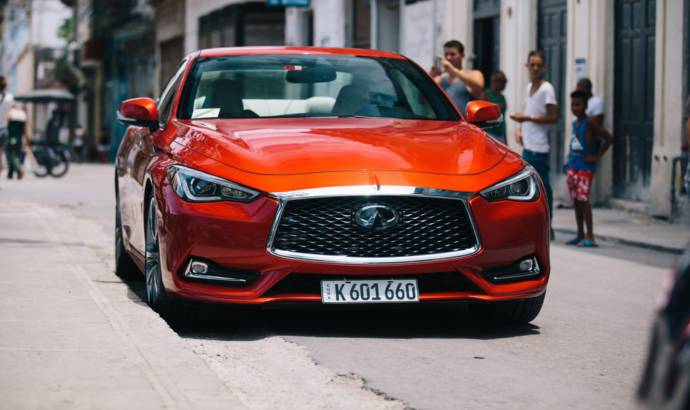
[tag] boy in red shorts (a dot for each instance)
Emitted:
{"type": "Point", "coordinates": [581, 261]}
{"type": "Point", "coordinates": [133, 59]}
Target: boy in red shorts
{"type": "Point", "coordinates": [585, 151]}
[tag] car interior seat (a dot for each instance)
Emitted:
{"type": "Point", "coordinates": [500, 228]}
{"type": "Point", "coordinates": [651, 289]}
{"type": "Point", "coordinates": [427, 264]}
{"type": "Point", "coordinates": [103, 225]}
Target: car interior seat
{"type": "Point", "coordinates": [354, 99]}
{"type": "Point", "coordinates": [227, 94]}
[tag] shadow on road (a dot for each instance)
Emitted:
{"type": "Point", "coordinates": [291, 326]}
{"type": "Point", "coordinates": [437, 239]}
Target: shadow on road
{"type": "Point", "coordinates": [433, 321]}
{"type": "Point", "coordinates": [393, 322]}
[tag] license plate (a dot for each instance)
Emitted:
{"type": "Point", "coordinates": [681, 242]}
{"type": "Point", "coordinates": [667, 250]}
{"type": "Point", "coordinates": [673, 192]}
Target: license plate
{"type": "Point", "coordinates": [369, 291]}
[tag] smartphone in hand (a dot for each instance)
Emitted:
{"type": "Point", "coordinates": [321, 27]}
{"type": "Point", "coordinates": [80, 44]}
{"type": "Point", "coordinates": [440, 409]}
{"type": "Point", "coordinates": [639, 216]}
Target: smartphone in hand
{"type": "Point", "coordinates": [438, 64]}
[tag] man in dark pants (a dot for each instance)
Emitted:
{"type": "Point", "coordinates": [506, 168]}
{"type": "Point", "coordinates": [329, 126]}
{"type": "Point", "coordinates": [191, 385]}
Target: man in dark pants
{"type": "Point", "coordinates": [540, 111]}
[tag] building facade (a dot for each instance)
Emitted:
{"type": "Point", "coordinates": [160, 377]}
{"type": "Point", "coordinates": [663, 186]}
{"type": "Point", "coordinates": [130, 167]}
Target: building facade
{"type": "Point", "coordinates": [117, 57]}
{"type": "Point", "coordinates": [29, 50]}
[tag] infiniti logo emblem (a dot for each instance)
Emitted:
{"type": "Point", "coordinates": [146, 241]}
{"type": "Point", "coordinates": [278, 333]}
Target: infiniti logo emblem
{"type": "Point", "coordinates": [376, 217]}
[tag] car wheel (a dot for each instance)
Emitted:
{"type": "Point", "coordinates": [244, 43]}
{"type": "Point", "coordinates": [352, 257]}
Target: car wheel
{"type": "Point", "coordinates": [125, 268]}
{"type": "Point", "coordinates": [521, 311]}
{"type": "Point", "coordinates": [156, 296]}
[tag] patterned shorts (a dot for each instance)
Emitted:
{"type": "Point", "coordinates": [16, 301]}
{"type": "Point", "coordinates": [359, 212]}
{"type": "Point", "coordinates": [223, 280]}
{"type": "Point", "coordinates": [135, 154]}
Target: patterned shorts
{"type": "Point", "coordinates": [579, 184]}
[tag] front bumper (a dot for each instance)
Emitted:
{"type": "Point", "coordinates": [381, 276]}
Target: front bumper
{"type": "Point", "coordinates": [234, 236]}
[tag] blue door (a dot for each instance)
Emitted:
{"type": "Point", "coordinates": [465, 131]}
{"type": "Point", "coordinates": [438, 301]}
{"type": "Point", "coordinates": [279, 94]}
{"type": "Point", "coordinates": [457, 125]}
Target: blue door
{"type": "Point", "coordinates": [634, 97]}
{"type": "Point", "coordinates": [551, 38]}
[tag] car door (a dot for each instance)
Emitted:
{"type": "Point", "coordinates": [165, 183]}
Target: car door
{"type": "Point", "coordinates": [138, 157]}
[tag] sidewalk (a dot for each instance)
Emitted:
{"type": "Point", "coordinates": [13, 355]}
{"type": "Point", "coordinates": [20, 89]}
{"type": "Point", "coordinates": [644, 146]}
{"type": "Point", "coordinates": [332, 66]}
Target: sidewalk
{"type": "Point", "coordinates": [628, 228]}
{"type": "Point", "coordinates": [74, 336]}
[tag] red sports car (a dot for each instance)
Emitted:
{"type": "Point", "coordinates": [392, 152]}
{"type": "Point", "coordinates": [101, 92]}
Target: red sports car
{"type": "Point", "coordinates": [333, 176]}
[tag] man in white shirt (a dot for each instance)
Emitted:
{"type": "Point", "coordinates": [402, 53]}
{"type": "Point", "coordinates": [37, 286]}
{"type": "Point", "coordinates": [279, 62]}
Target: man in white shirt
{"type": "Point", "coordinates": [6, 102]}
{"type": "Point", "coordinates": [540, 111]}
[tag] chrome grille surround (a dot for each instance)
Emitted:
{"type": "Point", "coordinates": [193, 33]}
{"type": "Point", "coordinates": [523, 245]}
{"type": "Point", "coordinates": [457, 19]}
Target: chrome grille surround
{"type": "Point", "coordinates": [375, 191]}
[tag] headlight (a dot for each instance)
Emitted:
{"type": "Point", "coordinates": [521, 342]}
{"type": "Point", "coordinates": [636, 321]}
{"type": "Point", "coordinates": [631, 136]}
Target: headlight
{"type": "Point", "coordinates": [522, 186]}
{"type": "Point", "coordinates": [197, 186]}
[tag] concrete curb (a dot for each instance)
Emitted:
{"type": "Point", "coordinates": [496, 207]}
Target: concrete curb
{"type": "Point", "coordinates": [637, 244]}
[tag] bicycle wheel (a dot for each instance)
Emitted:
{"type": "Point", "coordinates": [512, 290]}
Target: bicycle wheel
{"type": "Point", "coordinates": [40, 167]}
{"type": "Point", "coordinates": [60, 163]}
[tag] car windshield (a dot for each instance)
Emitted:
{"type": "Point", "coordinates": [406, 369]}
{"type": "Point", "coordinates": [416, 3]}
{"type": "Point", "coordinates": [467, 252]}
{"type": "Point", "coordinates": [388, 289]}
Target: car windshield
{"type": "Point", "coordinates": [274, 86]}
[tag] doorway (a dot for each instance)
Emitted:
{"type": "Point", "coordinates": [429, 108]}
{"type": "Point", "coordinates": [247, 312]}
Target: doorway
{"type": "Point", "coordinates": [487, 37]}
{"type": "Point", "coordinates": [634, 97]}
{"type": "Point", "coordinates": [551, 38]}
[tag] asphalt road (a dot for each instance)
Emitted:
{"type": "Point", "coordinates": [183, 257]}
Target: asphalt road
{"type": "Point", "coordinates": [584, 351]}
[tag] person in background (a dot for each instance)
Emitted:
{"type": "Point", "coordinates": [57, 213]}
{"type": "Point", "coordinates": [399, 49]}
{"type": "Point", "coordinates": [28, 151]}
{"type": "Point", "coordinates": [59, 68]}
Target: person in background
{"type": "Point", "coordinates": [540, 111]}
{"type": "Point", "coordinates": [103, 147]}
{"type": "Point", "coordinates": [6, 101]}
{"type": "Point", "coordinates": [583, 156]}
{"type": "Point", "coordinates": [17, 140]}
{"type": "Point", "coordinates": [494, 94]}
{"type": "Point", "coordinates": [461, 85]}
{"type": "Point", "coordinates": [78, 143]}
{"type": "Point", "coordinates": [595, 104]}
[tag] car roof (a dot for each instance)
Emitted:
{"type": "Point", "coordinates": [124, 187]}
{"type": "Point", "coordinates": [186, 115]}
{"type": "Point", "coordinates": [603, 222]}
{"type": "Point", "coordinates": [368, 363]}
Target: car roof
{"type": "Point", "coordinates": [233, 51]}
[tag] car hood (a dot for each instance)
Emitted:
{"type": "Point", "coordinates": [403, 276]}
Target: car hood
{"type": "Point", "coordinates": [302, 146]}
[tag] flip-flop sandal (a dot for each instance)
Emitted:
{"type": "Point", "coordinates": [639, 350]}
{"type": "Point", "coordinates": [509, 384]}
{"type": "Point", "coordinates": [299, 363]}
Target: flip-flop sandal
{"type": "Point", "coordinates": [587, 244]}
{"type": "Point", "coordinates": [574, 241]}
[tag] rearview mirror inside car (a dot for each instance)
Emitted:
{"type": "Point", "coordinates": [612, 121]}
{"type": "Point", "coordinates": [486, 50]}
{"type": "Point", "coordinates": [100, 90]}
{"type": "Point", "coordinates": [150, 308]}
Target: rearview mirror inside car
{"type": "Point", "coordinates": [319, 73]}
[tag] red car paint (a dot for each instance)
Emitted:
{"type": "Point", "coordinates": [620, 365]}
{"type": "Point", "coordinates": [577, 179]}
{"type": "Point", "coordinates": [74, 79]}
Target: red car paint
{"type": "Point", "coordinates": [288, 154]}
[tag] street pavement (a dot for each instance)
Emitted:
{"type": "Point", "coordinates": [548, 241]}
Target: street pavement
{"type": "Point", "coordinates": [627, 228]}
{"type": "Point", "coordinates": [75, 336]}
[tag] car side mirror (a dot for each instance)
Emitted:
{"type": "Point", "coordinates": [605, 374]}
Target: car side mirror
{"type": "Point", "coordinates": [140, 112]}
{"type": "Point", "coordinates": [483, 114]}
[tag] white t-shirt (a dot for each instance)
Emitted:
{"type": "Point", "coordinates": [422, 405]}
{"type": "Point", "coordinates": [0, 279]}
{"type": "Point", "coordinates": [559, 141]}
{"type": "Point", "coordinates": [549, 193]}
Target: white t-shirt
{"type": "Point", "coordinates": [535, 136]}
{"type": "Point", "coordinates": [16, 114]}
{"type": "Point", "coordinates": [595, 106]}
{"type": "Point", "coordinates": [5, 105]}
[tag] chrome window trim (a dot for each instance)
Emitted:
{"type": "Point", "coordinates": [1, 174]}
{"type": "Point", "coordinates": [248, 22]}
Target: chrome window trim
{"type": "Point", "coordinates": [370, 190]}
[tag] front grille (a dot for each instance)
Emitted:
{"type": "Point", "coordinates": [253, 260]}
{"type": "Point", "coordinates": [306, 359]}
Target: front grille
{"type": "Point", "coordinates": [325, 226]}
{"type": "Point", "coordinates": [437, 282]}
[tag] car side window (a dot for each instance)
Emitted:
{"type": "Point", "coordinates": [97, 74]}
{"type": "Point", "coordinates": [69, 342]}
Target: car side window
{"type": "Point", "coordinates": [168, 95]}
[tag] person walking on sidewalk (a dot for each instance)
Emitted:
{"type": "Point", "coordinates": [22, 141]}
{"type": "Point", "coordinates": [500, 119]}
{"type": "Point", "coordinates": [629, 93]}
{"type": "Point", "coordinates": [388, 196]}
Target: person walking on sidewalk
{"type": "Point", "coordinates": [494, 94]}
{"type": "Point", "coordinates": [6, 101]}
{"type": "Point", "coordinates": [17, 141]}
{"type": "Point", "coordinates": [461, 85]}
{"type": "Point", "coordinates": [540, 111]}
{"type": "Point", "coordinates": [582, 162]}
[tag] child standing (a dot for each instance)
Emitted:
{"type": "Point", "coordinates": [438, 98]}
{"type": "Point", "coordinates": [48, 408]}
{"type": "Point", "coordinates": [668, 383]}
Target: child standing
{"type": "Point", "coordinates": [495, 95]}
{"type": "Point", "coordinates": [582, 161]}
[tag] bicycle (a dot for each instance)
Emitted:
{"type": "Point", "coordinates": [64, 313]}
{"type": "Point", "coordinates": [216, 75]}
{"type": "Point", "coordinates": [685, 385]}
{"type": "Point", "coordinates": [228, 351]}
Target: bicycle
{"type": "Point", "coordinates": [50, 159]}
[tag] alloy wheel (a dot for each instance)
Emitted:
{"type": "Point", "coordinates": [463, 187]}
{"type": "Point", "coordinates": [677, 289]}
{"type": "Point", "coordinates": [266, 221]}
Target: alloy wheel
{"type": "Point", "coordinates": [152, 264]}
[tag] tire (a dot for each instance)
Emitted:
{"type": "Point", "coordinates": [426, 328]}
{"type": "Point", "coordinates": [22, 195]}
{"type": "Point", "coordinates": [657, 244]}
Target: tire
{"type": "Point", "coordinates": [40, 169]}
{"type": "Point", "coordinates": [170, 309]}
{"type": "Point", "coordinates": [516, 312]}
{"type": "Point", "coordinates": [60, 164]}
{"type": "Point", "coordinates": [125, 268]}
